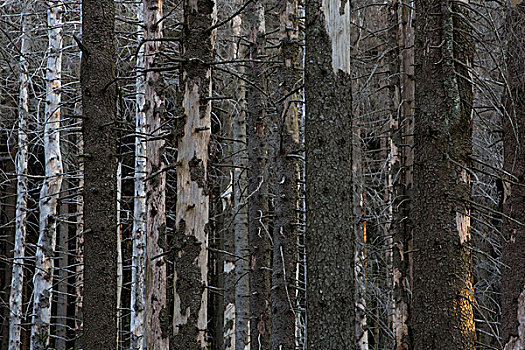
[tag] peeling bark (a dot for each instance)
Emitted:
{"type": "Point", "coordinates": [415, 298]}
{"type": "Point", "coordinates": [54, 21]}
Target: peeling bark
{"type": "Point", "coordinates": [191, 226]}
{"type": "Point", "coordinates": [49, 194]}
{"type": "Point", "coordinates": [157, 328]}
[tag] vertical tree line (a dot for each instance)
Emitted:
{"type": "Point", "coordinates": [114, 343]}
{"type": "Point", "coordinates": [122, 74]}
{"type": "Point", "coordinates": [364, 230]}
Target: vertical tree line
{"type": "Point", "coordinates": [216, 174]}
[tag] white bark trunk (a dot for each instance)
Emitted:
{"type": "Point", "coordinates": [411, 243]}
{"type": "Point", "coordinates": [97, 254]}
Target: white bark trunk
{"type": "Point", "coordinates": [190, 319]}
{"type": "Point", "coordinates": [17, 278]}
{"type": "Point", "coordinates": [139, 206]}
{"type": "Point", "coordinates": [49, 193]}
{"type": "Point", "coordinates": [193, 201]}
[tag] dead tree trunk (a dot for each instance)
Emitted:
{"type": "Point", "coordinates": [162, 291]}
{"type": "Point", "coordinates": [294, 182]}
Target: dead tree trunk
{"type": "Point", "coordinates": [191, 227]}
{"type": "Point", "coordinates": [49, 194]}
{"type": "Point", "coordinates": [138, 235]}
{"type": "Point", "coordinates": [17, 277]}
{"type": "Point", "coordinates": [156, 330]}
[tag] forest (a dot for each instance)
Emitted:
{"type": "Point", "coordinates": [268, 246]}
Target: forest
{"type": "Point", "coordinates": [262, 174]}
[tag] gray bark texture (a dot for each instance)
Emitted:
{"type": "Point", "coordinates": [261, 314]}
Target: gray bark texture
{"type": "Point", "coordinates": [156, 322]}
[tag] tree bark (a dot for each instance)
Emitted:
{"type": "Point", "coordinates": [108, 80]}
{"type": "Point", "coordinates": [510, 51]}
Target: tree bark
{"type": "Point", "coordinates": [443, 290]}
{"type": "Point", "coordinates": [403, 187]}
{"type": "Point", "coordinates": [120, 261]}
{"type": "Point", "coordinates": [240, 208]}
{"type": "Point", "coordinates": [192, 221]}
{"type": "Point", "coordinates": [330, 237]}
{"type": "Point", "coordinates": [257, 138]}
{"type": "Point", "coordinates": [49, 194]}
{"type": "Point", "coordinates": [63, 263]}
{"type": "Point", "coordinates": [156, 299]}
{"type": "Point", "coordinates": [79, 249]}
{"type": "Point", "coordinates": [513, 253]}
{"type": "Point", "coordinates": [138, 264]}
{"type": "Point", "coordinates": [285, 235]}
{"type": "Point", "coordinates": [99, 93]}
{"type": "Point", "coordinates": [17, 277]}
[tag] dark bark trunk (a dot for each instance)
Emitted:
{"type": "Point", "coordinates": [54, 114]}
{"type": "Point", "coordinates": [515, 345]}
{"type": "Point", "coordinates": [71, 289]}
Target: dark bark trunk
{"type": "Point", "coordinates": [284, 265]}
{"type": "Point", "coordinates": [99, 90]}
{"type": "Point", "coordinates": [403, 187]}
{"type": "Point", "coordinates": [329, 229]}
{"type": "Point", "coordinates": [63, 263]}
{"type": "Point", "coordinates": [258, 178]}
{"type": "Point", "coordinates": [443, 290]}
{"type": "Point", "coordinates": [513, 278]}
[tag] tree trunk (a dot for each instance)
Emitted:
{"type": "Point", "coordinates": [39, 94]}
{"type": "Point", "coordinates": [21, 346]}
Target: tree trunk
{"type": "Point", "coordinates": [49, 194]}
{"type": "Point", "coordinates": [99, 93]}
{"type": "Point", "coordinates": [17, 277]}
{"type": "Point", "coordinates": [227, 259]}
{"type": "Point", "coordinates": [79, 250]}
{"type": "Point", "coordinates": [192, 226]}
{"type": "Point", "coordinates": [513, 278]}
{"type": "Point", "coordinates": [240, 208]}
{"type": "Point", "coordinates": [330, 237]}
{"type": "Point", "coordinates": [63, 263]}
{"type": "Point", "coordinates": [443, 290]}
{"type": "Point", "coordinates": [284, 266]}
{"type": "Point", "coordinates": [120, 262]}
{"type": "Point", "coordinates": [358, 189]}
{"type": "Point", "coordinates": [156, 300]}
{"type": "Point", "coordinates": [257, 138]}
{"type": "Point", "coordinates": [403, 187]}
{"type": "Point", "coordinates": [138, 264]}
